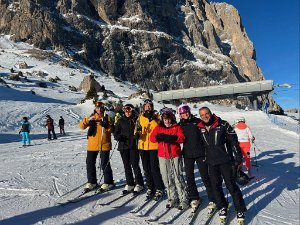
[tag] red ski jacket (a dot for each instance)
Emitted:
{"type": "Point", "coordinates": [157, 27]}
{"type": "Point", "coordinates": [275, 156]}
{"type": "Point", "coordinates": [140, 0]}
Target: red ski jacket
{"type": "Point", "coordinates": [168, 150]}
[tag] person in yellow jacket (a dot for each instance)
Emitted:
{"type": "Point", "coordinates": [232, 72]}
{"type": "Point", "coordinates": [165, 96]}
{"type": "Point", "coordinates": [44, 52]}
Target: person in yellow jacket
{"type": "Point", "coordinates": [99, 140]}
{"type": "Point", "coordinates": [146, 123]}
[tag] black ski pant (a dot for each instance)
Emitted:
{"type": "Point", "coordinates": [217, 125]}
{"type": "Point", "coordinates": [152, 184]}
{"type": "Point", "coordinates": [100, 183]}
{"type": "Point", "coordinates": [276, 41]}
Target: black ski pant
{"type": "Point", "coordinates": [49, 133]}
{"type": "Point", "coordinates": [62, 129]}
{"type": "Point", "coordinates": [151, 170]}
{"type": "Point", "coordinates": [131, 162]}
{"type": "Point", "coordinates": [105, 166]}
{"type": "Point", "coordinates": [221, 172]}
{"type": "Point", "coordinates": [190, 178]}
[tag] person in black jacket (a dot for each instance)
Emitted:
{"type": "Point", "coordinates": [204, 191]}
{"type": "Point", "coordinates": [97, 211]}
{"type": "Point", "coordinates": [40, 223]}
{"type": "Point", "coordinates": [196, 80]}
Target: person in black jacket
{"type": "Point", "coordinates": [193, 151]}
{"type": "Point", "coordinates": [61, 124]}
{"type": "Point", "coordinates": [123, 133]}
{"type": "Point", "coordinates": [223, 155]}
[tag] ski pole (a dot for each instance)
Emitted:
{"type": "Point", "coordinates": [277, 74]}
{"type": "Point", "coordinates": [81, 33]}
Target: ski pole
{"type": "Point", "coordinates": [108, 162]}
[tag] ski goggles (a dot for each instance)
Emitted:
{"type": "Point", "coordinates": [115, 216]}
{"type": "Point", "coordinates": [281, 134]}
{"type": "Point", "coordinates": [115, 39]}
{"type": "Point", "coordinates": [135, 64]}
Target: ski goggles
{"type": "Point", "coordinates": [127, 109]}
{"type": "Point", "coordinates": [148, 101]}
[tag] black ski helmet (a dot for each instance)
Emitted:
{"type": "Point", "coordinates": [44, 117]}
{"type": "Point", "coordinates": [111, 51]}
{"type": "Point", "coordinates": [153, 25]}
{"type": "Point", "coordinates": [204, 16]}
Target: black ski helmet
{"type": "Point", "coordinates": [242, 178]}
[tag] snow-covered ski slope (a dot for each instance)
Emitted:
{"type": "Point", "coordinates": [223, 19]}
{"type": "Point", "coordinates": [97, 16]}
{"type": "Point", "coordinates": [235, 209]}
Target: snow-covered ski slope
{"type": "Point", "coordinates": [33, 178]}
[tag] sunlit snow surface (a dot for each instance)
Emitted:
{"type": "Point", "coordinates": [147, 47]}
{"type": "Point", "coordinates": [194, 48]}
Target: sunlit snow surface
{"type": "Point", "coordinates": [33, 178]}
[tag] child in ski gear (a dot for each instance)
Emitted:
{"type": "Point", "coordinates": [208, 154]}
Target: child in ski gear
{"type": "Point", "coordinates": [244, 137]}
{"type": "Point", "coordinates": [50, 126]}
{"type": "Point", "coordinates": [99, 140]}
{"type": "Point", "coordinates": [221, 143]}
{"type": "Point", "coordinates": [123, 133]}
{"type": "Point", "coordinates": [193, 151]}
{"type": "Point", "coordinates": [169, 136]}
{"type": "Point", "coordinates": [25, 130]}
{"type": "Point", "coordinates": [146, 123]}
{"type": "Point", "coordinates": [61, 124]}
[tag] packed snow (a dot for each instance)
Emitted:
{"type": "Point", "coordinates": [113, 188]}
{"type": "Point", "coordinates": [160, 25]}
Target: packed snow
{"type": "Point", "coordinates": [35, 179]}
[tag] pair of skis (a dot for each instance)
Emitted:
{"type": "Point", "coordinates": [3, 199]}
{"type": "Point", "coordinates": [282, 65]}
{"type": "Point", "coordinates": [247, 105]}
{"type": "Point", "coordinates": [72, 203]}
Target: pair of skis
{"type": "Point", "coordinates": [130, 197]}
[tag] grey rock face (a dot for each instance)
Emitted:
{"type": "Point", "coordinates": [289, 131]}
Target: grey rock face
{"type": "Point", "coordinates": [159, 44]}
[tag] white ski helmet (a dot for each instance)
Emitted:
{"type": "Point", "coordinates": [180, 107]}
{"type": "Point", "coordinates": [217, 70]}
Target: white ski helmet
{"type": "Point", "coordinates": [241, 119]}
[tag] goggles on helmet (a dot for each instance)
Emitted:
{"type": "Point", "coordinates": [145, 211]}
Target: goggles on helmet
{"type": "Point", "coordinates": [148, 101]}
{"type": "Point", "coordinates": [127, 109]}
{"type": "Point", "coordinates": [183, 109]}
{"type": "Point", "coordinates": [167, 111]}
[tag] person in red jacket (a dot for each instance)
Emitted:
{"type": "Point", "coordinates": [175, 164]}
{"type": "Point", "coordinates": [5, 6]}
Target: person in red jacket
{"type": "Point", "coordinates": [244, 137]}
{"type": "Point", "coordinates": [169, 136]}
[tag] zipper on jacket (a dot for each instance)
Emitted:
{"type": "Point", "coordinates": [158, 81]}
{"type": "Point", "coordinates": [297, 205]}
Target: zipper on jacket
{"type": "Point", "coordinates": [216, 137]}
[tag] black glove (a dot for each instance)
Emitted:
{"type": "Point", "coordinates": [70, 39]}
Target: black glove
{"type": "Point", "coordinates": [104, 124]}
{"type": "Point", "coordinates": [160, 137]}
{"type": "Point", "coordinates": [148, 114]}
{"type": "Point", "coordinates": [171, 138]}
{"type": "Point", "coordinates": [136, 136]}
{"type": "Point", "coordinates": [238, 161]}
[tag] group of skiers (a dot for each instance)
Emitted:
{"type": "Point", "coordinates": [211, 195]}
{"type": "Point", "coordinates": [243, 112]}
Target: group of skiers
{"type": "Point", "coordinates": [156, 139]}
{"type": "Point", "coordinates": [26, 127]}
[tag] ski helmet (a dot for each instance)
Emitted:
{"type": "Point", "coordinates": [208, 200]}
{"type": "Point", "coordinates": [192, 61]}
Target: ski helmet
{"type": "Point", "coordinates": [128, 107]}
{"type": "Point", "coordinates": [100, 105]}
{"type": "Point", "coordinates": [241, 119]}
{"type": "Point", "coordinates": [183, 109]}
{"type": "Point", "coordinates": [148, 101]}
{"type": "Point", "coordinates": [242, 178]}
{"type": "Point", "coordinates": [167, 113]}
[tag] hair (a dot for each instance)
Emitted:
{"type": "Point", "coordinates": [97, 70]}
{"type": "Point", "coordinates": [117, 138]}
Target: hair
{"type": "Point", "coordinates": [204, 107]}
{"type": "Point", "coordinates": [25, 118]}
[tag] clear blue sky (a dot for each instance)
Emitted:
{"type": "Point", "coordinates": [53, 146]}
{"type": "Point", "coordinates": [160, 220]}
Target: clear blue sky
{"type": "Point", "coordinates": [273, 27]}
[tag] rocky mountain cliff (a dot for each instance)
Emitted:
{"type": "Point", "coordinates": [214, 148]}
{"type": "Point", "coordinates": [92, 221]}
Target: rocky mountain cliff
{"type": "Point", "coordinates": [159, 44]}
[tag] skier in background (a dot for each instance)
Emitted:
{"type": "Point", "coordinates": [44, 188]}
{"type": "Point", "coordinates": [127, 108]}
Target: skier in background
{"type": "Point", "coordinates": [25, 130]}
{"type": "Point", "coordinates": [123, 133]}
{"type": "Point", "coordinates": [50, 125]}
{"type": "Point", "coordinates": [193, 151]}
{"type": "Point", "coordinates": [169, 136]}
{"type": "Point", "coordinates": [244, 137]}
{"type": "Point", "coordinates": [99, 140]}
{"type": "Point", "coordinates": [61, 124]}
{"type": "Point", "coordinates": [220, 141]}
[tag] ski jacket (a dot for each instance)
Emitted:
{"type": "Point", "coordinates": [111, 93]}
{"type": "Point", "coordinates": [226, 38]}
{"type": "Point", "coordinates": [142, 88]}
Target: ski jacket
{"type": "Point", "coordinates": [193, 146]}
{"type": "Point", "coordinates": [98, 141]}
{"type": "Point", "coordinates": [49, 123]}
{"type": "Point", "coordinates": [243, 132]}
{"type": "Point", "coordinates": [220, 142]}
{"type": "Point", "coordinates": [26, 127]}
{"type": "Point", "coordinates": [61, 122]}
{"type": "Point", "coordinates": [123, 133]}
{"type": "Point", "coordinates": [144, 127]}
{"type": "Point", "coordinates": [165, 149]}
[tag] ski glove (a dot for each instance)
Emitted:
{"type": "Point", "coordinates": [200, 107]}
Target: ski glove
{"type": "Point", "coordinates": [166, 138]}
{"type": "Point", "coordinates": [104, 124]}
{"type": "Point", "coordinates": [148, 114]}
{"type": "Point", "coordinates": [238, 161]}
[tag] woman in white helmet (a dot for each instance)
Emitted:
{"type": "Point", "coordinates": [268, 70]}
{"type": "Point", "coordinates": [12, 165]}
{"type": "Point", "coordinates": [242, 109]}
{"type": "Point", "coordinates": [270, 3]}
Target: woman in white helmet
{"type": "Point", "coordinates": [244, 137]}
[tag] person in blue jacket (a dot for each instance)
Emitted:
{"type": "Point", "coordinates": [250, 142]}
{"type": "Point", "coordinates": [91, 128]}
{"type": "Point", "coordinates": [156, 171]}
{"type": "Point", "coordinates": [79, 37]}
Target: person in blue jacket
{"type": "Point", "coordinates": [25, 130]}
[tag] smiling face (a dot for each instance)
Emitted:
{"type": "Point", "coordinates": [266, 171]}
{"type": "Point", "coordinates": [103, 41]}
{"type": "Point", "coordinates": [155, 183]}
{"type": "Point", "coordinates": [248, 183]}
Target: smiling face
{"type": "Point", "coordinates": [185, 115]}
{"type": "Point", "coordinates": [205, 115]}
{"type": "Point", "coordinates": [167, 121]}
{"type": "Point", "coordinates": [147, 106]}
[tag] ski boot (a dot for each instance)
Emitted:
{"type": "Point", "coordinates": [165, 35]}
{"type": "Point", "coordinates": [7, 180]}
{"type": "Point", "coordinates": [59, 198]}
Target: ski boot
{"type": "Point", "coordinates": [195, 204]}
{"type": "Point", "coordinates": [240, 218]}
{"type": "Point", "coordinates": [211, 208]}
{"type": "Point", "coordinates": [127, 189]}
{"type": "Point", "coordinates": [89, 187]}
{"type": "Point", "coordinates": [223, 215]}
{"type": "Point", "coordinates": [158, 195]}
{"type": "Point", "coordinates": [138, 189]}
